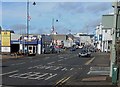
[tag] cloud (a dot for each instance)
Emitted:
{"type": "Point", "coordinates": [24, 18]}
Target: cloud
{"type": "Point", "coordinates": [98, 7]}
{"type": "Point", "coordinates": [73, 7]}
{"type": "Point", "coordinates": [72, 16]}
{"type": "Point", "coordinates": [90, 26]}
{"type": "Point", "coordinates": [83, 7]}
{"type": "Point", "coordinates": [19, 28]}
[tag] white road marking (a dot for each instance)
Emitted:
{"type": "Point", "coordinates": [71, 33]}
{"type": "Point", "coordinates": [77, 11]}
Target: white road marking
{"type": "Point", "coordinates": [71, 68]}
{"type": "Point", "coordinates": [39, 77]}
{"type": "Point", "coordinates": [60, 60]}
{"type": "Point", "coordinates": [48, 67]}
{"type": "Point", "coordinates": [88, 72]}
{"type": "Point", "coordinates": [65, 58]}
{"type": "Point", "coordinates": [18, 63]}
{"type": "Point", "coordinates": [61, 57]}
{"type": "Point", "coordinates": [56, 68]}
{"type": "Point", "coordinates": [51, 76]}
{"type": "Point", "coordinates": [64, 69]}
{"type": "Point", "coordinates": [14, 75]}
{"type": "Point", "coordinates": [9, 73]}
{"type": "Point", "coordinates": [47, 57]}
{"type": "Point", "coordinates": [42, 67]}
{"type": "Point", "coordinates": [23, 75]}
{"type": "Point", "coordinates": [51, 62]}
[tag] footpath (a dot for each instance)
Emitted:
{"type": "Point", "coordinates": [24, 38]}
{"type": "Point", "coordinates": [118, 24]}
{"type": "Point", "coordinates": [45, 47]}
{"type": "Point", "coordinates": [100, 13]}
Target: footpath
{"type": "Point", "coordinates": [98, 72]}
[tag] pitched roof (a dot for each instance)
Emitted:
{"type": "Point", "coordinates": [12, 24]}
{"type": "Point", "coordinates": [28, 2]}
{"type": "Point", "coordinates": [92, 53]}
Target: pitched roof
{"type": "Point", "coordinates": [71, 36]}
{"type": "Point", "coordinates": [59, 37]}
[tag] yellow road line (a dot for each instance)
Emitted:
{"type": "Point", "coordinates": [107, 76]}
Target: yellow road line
{"type": "Point", "coordinates": [60, 81]}
{"type": "Point", "coordinates": [89, 61]}
{"type": "Point", "coordinates": [65, 80]}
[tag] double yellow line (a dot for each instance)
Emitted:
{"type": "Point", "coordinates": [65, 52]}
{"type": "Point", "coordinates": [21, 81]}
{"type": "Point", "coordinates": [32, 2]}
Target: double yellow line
{"type": "Point", "coordinates": [62, 81]}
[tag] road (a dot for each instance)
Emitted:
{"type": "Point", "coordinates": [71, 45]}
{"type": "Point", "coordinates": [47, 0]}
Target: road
{"type": "Point", "coordinates": [50, 69]}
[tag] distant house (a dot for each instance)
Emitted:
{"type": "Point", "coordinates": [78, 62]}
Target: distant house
{"type": "Point", "coordinates": [46, 40]}
{"type": "Point", "coordinates": [77, 41]}
{"type": "Point", "coordinates": [70, 41]}
{"type": "Point", "coordinates": [58, 39]}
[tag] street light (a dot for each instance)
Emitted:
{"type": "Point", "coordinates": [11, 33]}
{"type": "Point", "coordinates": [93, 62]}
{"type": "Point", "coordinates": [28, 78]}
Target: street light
{"type": "Point", "coordinates": [28, 19]}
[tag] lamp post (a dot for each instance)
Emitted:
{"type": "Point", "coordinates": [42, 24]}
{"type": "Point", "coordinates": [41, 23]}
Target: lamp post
{"type": "Point", "coordinates": [28, 19]}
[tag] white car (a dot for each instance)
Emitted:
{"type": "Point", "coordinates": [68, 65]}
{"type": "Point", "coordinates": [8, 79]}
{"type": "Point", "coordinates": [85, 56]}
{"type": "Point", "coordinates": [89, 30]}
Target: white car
{"type": "Point", "coordinates": [84, 53]}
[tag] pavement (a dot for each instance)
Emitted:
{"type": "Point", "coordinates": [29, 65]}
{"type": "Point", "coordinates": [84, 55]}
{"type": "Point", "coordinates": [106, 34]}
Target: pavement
{"type": "Point", "coordinates": [98, 74]}
{"type": "Point", "coordinates": [97, 69]}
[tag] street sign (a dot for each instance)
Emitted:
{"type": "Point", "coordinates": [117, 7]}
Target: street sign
{"type": "Point", "coordinates": [6, 37]}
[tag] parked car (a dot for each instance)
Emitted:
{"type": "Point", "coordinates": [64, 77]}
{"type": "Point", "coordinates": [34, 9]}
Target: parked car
{"type": "Point", "coordinates": [47, 49]}
{"type": "Point", "coordinates": [56, 49]}
{"type": "Point", "coordinates": [84, 53]}
{"type": "Point", "coordinates": [73, 49]}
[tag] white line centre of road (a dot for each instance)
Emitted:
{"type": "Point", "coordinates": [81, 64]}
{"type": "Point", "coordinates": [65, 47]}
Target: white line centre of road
{"type": "Point", "coordinates": [9, 73]}
{"type": "Point", "coordinates": [51, 62]}
{"type": "Point", "coordinates": [18, 64]}
{"type": "Point", "coordinates": [61, 57]}
{"type": "Point", "coordinates": [60, 60]}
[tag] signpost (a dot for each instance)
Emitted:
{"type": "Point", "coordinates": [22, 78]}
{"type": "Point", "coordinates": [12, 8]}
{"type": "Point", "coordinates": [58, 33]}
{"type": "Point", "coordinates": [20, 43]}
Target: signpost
{"type": "Point", "coordinates": [5, 41]}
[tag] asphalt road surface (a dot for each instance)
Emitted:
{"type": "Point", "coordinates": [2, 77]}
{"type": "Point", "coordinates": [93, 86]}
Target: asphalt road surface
{"type": "Point", "coordinates": [49, 69]}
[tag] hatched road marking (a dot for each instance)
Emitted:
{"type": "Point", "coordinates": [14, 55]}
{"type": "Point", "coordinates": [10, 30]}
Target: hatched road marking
{"type": "Point", "coordinates": [9, 73]}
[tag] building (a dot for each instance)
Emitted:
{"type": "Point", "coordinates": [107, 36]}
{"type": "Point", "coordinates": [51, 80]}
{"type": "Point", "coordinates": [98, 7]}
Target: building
{"type": "Point", "coordinates": [19, 43]}
{"type": "Point", "coordinates": [98, 36]}
{"type": "Point", "coordinates": [108, 23]}
{"type": "Point", "coordinates": [58, 39]}
{"type": "Point", "coordinates": [85, 39]}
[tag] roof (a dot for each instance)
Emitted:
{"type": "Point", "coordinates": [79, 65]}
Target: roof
{"type": "Point", "coordinates": [71, 36]}
{"type": "Point", "coordinates": [59, 37]}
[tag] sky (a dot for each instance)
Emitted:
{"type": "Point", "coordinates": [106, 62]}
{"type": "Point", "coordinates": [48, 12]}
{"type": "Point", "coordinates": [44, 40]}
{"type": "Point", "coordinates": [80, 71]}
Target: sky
{"type": "Point", "coordinates": [72, 16]}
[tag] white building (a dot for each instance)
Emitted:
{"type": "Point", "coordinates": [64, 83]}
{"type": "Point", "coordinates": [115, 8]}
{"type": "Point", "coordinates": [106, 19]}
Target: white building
{"type": "Point", "coordinates": [98, 36]}
{"type": "Point", "coordinates": [106, 40]}
{"type": "Point", "coordinates": [103, 38]}
{"type": "Point", "coordinates": [85, 39]}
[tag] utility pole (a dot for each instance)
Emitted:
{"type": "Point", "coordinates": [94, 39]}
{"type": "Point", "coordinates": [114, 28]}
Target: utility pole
{"type": "Point", "coordinates": [28, 19]}
{"type": "Point", "coordinates": [113, 53]}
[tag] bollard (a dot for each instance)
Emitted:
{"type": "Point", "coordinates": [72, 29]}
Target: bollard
{"type": "Point", "coordinates": [114, 74]}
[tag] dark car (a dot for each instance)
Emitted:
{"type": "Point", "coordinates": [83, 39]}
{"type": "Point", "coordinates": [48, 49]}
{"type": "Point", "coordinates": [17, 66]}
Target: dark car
{"type": "Point", "coordinates": [73, 49]}
{"type": "Point", "coordinates": [47, 49]}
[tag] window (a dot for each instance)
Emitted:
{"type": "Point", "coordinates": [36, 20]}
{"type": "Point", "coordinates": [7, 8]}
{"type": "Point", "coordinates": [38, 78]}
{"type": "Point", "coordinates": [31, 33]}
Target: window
{"type": "Point", "coordinates": [30, 48]}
